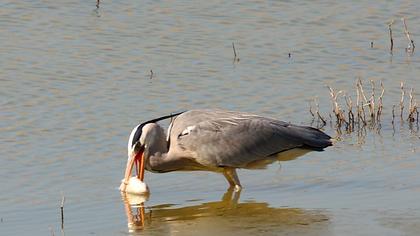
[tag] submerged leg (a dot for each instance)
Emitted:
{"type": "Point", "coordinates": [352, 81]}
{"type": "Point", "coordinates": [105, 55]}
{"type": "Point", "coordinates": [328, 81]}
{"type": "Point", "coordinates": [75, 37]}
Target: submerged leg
{"type": "Point", "coordinates": [232, 178]}
{"type": "Point", "coordinates": [230, 199]}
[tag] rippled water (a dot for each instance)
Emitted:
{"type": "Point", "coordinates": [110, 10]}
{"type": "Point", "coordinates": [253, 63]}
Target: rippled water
{"type": "Point", "coordinates": [75, 80]}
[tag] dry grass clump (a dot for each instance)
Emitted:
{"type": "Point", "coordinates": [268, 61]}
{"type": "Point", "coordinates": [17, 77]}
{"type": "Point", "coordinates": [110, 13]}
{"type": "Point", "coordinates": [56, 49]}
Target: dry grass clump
{"type": "Point", "coordinates": [367, 110]}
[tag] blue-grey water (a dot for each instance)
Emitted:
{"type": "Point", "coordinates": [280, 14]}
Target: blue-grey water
{"type": "Point", "coordinates": [76, 79]}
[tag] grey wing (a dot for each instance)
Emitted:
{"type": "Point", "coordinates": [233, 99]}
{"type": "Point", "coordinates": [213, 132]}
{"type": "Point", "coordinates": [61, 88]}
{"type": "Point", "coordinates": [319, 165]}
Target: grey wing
{"type": "Point", "coordinates": [238, 139]}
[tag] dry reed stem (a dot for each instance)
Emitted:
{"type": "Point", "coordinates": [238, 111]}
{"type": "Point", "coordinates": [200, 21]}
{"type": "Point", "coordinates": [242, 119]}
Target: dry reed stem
{"type": "Point", "coordinates": [324, 122]}
{"type": "Point", "coordinates": [358, 103]}
{"type": "Point", "coordinates": [319, 114]}
{"type": "Point", "coordinates": [412, 107]}
{"type": "Point", "coordinates": [336, 107]}
{"type": "Point", "coordinates": [320, 118]}
{"type": "Point", "coordinates": [402, 100]}
{"type": "Point", "coordinates": [380, 103]}
{"type": "Point", "coordinates": [349, 103]}
{"type": "Point", "coordinates": [361, 93]}
{"type": "Point", "coordinates": [372, 101]}
{"type": "Point", "coordinates": [310, 108]}
{"type": "Point", "coordinates": [411, 46]}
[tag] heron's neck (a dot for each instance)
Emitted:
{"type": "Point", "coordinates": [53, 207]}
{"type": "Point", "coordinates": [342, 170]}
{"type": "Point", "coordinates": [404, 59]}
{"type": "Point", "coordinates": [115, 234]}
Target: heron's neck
{"type": "Point", "coordinates": [158, 159]}
{"type": "Point", "coordinates": [156, 148]}
{"type": "Point", "coordinates": [156, 142]}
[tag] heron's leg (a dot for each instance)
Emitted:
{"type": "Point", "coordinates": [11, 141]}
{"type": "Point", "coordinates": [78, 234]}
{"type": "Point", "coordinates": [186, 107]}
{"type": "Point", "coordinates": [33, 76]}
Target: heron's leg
{"type": "Point", "coordinates": [230, 199]}
{"type": "Point", "coordinates": [232, 178]}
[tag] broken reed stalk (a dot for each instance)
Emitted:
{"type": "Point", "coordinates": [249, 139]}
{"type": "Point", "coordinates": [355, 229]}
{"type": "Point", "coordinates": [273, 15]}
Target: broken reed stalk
{"type": "Point", "coordinates": [358, 103]}
{"type": "Point", "coordinates": [390, 35]}
{"type": "Point", "coordinates": [339, 114]}
{"type": "Point", "coordinates": [349, 103]}
{"type": "Point", "coordinates": [380, 103]}
{"type": "Point", "coordinates": [320, 118]}
{"type": "Point", "coordinates": [412, 107]}
{"type": "Point", "coordinates": [319, 114]}
{"type": "Point", "coordinates": [372, 101]}
{"type": "Point", "coordinates": [411, 46]}
{"type": "Point", "coordinates": [310, 109]}
{"type": "Point", "coordinates": [402, 100]}
{"type": "Point", "coordinates": [63, 199]}
{"type": "Point", "coordinates": [361, 109]}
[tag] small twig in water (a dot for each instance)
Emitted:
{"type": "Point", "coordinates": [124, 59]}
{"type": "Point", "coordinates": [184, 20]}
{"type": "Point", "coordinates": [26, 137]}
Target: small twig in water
{"type": "Point", "coordinates": [63, 199]}
{"type": "Point", "coordinates": [236, 58]}
{"type": "Point", "coordinates": [393, 113]}
{"type": "Point", "coordinates": [390, 35]}
{"type": "Point", "coordinates": [151, 74]}
{"type": "Point", "coordinates": [411, 46]}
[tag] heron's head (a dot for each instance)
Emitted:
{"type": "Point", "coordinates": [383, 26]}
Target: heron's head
{"type": "Point", "coordinates": [136, 142]}
{"type": "Point", "coordinates": [143, 136]}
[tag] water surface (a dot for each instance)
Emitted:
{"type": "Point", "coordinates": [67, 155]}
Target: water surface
{"type": "Point", "coordinates": [75, 80]}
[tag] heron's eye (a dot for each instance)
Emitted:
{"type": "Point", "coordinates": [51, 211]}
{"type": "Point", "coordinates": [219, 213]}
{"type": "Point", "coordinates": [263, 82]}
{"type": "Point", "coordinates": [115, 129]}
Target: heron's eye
{"type": "Point", "coordinates": [137, 147]}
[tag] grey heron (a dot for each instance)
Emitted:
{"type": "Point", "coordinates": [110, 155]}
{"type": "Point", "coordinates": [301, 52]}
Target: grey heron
{"type": "Point", "coordinates": [215, 140]}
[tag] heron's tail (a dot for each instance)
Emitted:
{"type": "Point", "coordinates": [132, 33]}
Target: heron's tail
{"type": "Point", "coordinates": [314, 138]}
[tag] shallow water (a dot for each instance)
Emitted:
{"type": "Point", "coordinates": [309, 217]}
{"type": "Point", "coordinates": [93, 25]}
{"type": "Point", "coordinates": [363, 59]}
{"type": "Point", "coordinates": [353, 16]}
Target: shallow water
{"type": "Point", "coordinates": [75, 80]}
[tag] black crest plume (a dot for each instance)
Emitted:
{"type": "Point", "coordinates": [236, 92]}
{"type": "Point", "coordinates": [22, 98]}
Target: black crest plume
{"type": "Point", "coordinates": [138, 132]}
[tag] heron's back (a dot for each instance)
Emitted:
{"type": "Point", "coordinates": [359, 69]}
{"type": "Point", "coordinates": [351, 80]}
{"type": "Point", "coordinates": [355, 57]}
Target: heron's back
{"type": "Point", "coordinates": [220, 138]}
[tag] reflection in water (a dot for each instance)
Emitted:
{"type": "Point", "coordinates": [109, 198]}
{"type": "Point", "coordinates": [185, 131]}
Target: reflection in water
{"type": "Point", "coordinates": [222, 217]}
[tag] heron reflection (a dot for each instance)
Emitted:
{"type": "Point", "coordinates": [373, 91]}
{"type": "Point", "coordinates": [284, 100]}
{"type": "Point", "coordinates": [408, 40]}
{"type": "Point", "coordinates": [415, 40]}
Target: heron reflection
{"type": "Point", "coordinates": [225, 215]}
{"type": "Point", "coordinates": [221, 217]}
